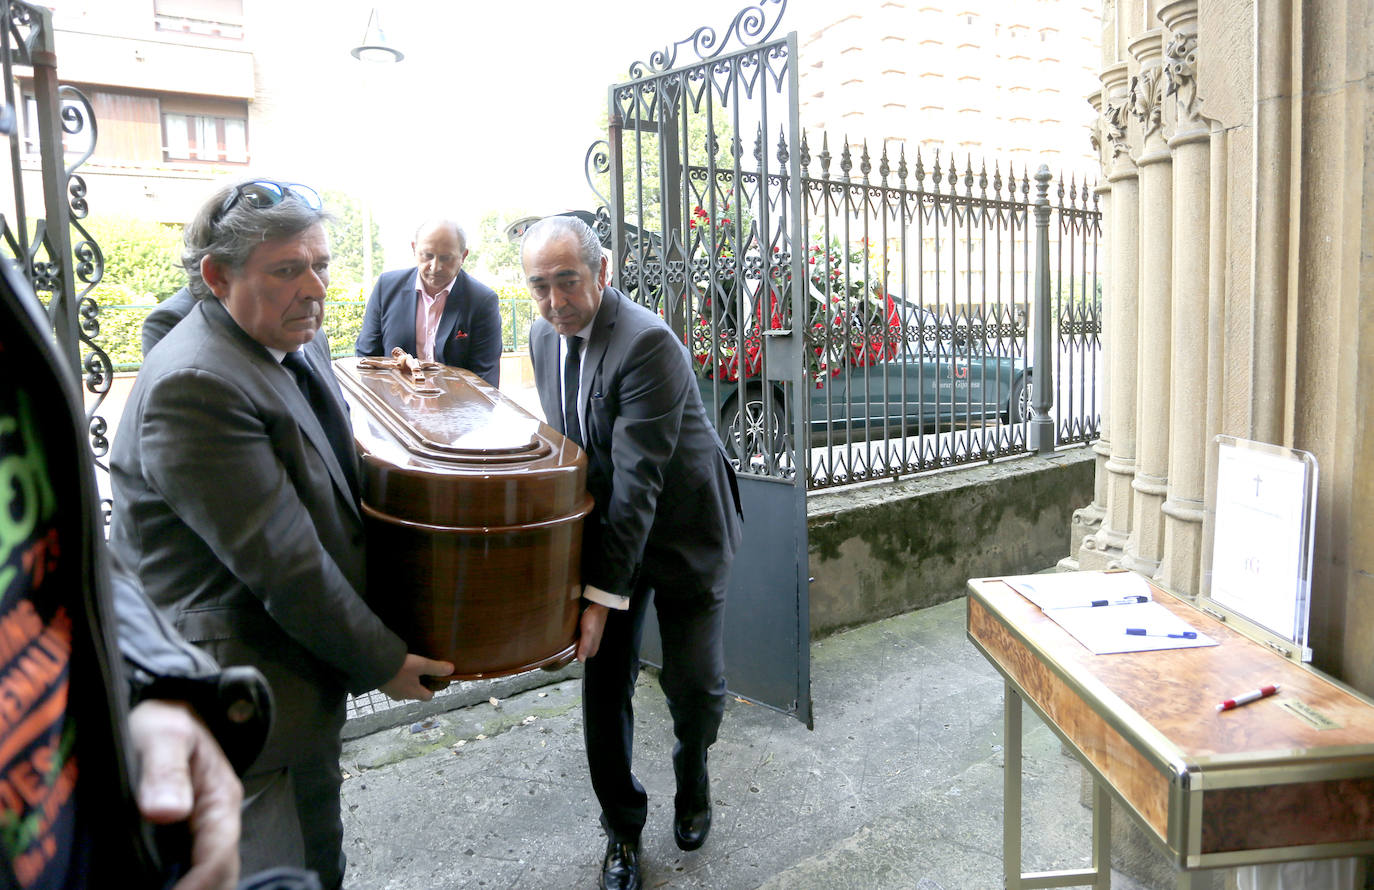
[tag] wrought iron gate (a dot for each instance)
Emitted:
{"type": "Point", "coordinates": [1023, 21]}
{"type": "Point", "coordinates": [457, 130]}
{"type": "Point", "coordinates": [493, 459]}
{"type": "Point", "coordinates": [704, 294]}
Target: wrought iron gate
{"type": "Point", "coordinates": [52, 249]}
{"type": "Point", "coordinates": [703, 212]}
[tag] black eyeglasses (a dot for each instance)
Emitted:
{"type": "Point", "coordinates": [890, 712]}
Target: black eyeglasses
{"type": "Point", "coordinates": [262, 193]}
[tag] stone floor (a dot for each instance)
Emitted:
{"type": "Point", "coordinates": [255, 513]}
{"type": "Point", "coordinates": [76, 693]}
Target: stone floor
{"type": "Point", "coordinates": [899, 785]}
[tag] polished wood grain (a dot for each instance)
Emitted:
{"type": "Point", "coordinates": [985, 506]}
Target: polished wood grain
{"type": "Point", "coordinates": [1147, 722]}
{"type": "Point", "coordinates": [473, 513]}
{"type": "Point", "coordinates": [1302, 813]}
{"type": "Point", "coordinates": [1117, 759]}
{"type": "Point", "coordinates": [1177, 691]}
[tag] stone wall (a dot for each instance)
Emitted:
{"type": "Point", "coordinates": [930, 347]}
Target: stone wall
{"type": "Point", "coordinates": [1237, 147]}
{"type": "Point", "coordinates": [889, 548]}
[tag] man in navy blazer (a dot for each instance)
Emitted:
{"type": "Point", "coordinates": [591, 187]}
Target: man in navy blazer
{"type": "Point", "coordinates": [436, 311]}
{"type": "Point", "coordinates": [614, 378]}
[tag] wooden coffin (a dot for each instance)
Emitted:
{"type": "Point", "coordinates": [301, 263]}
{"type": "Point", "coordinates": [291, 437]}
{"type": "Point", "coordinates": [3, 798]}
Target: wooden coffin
{"type": "Point", "coordinates": [473, 511]}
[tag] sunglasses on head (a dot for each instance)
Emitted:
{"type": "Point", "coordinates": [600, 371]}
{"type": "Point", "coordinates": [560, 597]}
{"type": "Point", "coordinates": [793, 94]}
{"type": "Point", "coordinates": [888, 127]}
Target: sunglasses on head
{"type": "Point", "coordinates": [261, 193]}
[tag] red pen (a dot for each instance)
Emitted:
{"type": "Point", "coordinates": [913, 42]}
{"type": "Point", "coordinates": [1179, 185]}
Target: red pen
{"type": "Point", "coordinates": [1262, 692]}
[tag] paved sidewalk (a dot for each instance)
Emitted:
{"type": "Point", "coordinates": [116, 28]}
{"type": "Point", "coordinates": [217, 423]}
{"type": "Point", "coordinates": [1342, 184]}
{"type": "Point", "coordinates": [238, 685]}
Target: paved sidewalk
{"type": "Point", "coordinates": [899, 786]}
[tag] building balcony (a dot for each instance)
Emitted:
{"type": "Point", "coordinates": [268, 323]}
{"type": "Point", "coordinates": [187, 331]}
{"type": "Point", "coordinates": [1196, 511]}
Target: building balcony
{"type": "Point", "coordinates": [156, 66]}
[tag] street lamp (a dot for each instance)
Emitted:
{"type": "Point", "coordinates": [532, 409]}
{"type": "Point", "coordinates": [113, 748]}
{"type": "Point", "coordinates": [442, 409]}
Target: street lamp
{"type": "Point", "coordinates": [375, 50]}
{"type": "Point", "coordinates": [374, 47]}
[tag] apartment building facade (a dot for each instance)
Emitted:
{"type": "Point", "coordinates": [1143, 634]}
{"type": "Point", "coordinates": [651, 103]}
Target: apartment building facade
{"type": "Point", "coordinates": [1001, 80]}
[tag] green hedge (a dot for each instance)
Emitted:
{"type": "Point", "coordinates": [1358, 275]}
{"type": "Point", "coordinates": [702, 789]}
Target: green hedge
{"type": "Point", "coordinates": [121, 324]}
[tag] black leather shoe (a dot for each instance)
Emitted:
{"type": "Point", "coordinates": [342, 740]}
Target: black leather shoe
{"type": "Point", "coordinates": [620, 868]}
{"type": "Point", "coordinates": [691, 827]}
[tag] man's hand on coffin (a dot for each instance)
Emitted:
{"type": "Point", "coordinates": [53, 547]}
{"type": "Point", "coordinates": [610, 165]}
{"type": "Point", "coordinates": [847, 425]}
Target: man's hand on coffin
{"type": "Point", "coordinates": [589, 630]}
{"type": "Point", "coordinates": [409, 681]}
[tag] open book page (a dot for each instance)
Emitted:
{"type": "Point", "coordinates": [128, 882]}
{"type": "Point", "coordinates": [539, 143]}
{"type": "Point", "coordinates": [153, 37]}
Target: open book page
{"type": "Point", "coordinates": [1063, 590]}
{"type": "Point", "coordinates": [1138, 627]}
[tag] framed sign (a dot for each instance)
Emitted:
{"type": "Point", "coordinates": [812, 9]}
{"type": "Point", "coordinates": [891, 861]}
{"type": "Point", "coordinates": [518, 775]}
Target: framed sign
{"type": "Point", "coordinates": [1258, 532]}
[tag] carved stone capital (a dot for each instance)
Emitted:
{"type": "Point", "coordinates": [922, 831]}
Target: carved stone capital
{"type": "Point", "coordinates": [1146, 95]}
{"type": "Point", "coordinates": [1180, 71]}
{"type": "Point", "coordinates": [1114, 127]}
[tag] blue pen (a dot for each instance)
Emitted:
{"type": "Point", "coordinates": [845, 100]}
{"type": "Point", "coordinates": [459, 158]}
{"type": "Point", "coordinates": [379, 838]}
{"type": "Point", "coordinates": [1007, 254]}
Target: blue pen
{"type": "Point", "coordinates": [1124, 601]}
{"type": "Point", "coordinates": [1142, 632]}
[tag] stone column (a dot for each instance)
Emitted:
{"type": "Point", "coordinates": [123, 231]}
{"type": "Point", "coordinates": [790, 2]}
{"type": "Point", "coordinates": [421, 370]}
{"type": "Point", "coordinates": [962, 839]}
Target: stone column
{"type": "Point", "coordinates": [1144, 547]}
{"type": "Point", "coordinates": [1270, 385]}
{"type": "Point", "coordinates": [1104, 549]}
{"type": "Point", "coordinates": [1087, 521]}
{"type": "Point", "coordinates": [1183, 510]}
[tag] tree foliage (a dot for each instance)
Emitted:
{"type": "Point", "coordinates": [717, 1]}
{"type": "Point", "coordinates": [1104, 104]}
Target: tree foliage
{"type": "Point", "coordinates": [703, 139]}
{"type": "Point", "coordinates": [493, 257]}
{"type": "Point", "coordinates": [347, 264]}
{"type": "Point", "coordinates": [142, 260]}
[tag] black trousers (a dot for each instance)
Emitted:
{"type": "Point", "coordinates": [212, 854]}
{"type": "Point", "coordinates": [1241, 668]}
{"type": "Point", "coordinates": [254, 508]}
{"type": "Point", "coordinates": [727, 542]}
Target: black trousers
{"type": "Point", "coordinates": [693, 681]}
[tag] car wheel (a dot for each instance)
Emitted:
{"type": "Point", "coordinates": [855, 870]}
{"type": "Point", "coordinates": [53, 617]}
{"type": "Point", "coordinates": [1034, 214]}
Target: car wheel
{"type": "Point", "coordinates": [1018, 407]}
{"type": "Point", "coordinates": [748, 433]}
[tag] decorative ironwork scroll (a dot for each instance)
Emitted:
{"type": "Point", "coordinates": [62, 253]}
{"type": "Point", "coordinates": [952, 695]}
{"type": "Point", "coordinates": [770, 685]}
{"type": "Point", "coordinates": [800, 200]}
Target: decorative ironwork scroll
{"type": "Point", "coordinates": [750, 27]}
{"type": "Point", "coordinates": [55, 253]}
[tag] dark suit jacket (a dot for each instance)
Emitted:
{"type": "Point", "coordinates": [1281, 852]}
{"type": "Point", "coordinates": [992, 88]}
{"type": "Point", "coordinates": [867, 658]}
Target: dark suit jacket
{"type": "Point", "coordinates": [469, 334]}
{"type": "Point", "coordinates": [667, 506]}
{"type": "Point", "coordinates": [165, 317]}
{"type": "Point", "coordinates": [234, 511]}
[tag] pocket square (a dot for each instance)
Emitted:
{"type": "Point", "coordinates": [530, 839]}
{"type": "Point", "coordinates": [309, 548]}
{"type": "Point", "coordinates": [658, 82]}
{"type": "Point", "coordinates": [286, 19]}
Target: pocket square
{"type": "Point", "coordinates": [460, 335]}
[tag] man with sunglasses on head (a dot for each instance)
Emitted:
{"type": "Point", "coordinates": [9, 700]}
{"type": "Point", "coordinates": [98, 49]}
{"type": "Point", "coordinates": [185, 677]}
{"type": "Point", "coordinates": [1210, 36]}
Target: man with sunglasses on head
{"type": "Point", "coordinates": [235, 500]}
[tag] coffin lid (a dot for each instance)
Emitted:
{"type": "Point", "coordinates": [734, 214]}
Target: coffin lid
{"type": "Point", "coordinates": [452, 418]}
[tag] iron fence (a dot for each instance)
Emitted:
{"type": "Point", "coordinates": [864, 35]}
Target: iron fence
{"type": "Point", "coordinates": [924, 309]}
{"type": "Point", "coordinates": [920, 290]}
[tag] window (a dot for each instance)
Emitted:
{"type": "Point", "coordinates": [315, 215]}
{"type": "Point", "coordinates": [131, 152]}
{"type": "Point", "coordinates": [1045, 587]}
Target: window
{"type": "Point", "coordinates": [72, 143]}
{"type": "Point", "coordinates": [204, 137]}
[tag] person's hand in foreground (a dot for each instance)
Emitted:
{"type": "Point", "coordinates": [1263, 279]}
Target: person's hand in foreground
{"type": "Point", "coordinates": [184, 776]}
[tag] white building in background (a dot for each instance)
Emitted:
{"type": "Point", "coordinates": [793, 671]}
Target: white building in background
{"type": "Point", "coordinates": [982, 79]}
{"type": "Point", "coordinates": [170, 83]}
{"type": "Point", "coordinates": [187, 93]}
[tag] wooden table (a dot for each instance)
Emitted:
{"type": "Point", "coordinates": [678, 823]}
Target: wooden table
{"type": "Point", "coordinates": [1256, 784]}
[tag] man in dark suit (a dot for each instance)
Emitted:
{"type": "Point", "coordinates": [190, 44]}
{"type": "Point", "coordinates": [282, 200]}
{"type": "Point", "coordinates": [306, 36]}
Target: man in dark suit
{"type": "Point", "coordinates": [436, 311]}
{"type": "Point", "coordinates": [235, 502]}
{"type": "Point", "coordinates": [165, 316]}
{"type": "Point", "coordinates": [665, 527]}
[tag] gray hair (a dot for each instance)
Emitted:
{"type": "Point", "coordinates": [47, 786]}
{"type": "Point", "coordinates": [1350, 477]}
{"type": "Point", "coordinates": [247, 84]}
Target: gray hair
{"type": "Point", "coordinates": [229, 239]}
{"type": "Point", "coordinates": [458, 231]}
{"type": "Point", "coordinates": [551, 227]}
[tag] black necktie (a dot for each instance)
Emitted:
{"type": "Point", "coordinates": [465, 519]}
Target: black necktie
{"type": "Point", "coordinates": [572, 371]}
{"type": "Point", "coordinates": [331, 419]}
